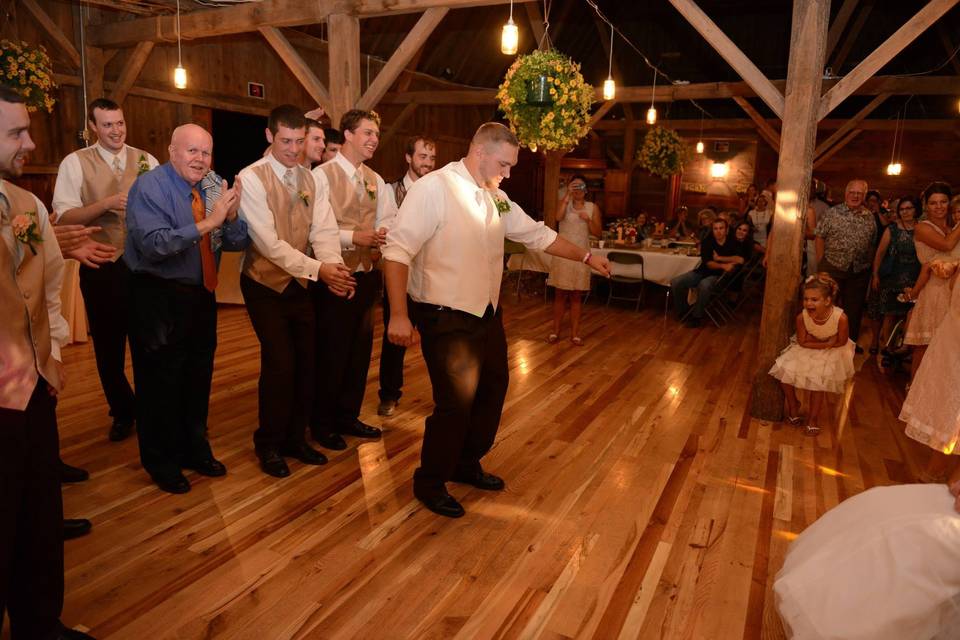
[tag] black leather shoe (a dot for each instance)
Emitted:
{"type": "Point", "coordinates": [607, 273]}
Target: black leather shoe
{"type": "Point", "coordinates": [120, 430]}
{"type": "Point", "coordinates": [304, 453]}
{"type": "Point", "coordinates": [211, 468]}
{"type": "Point", "coordinates": [481, 480]}
{"type": "Point", "coordinates": [331, 441]}
{"type": "Point", "coordinates": [173, 484]}
{"type": "Point", "coordinates": [442, 504]}
{"type": "Point", "coordinates": [273, 464]}
{"type": "Point", "coordinates": [76, 527]}
{"type": "Point", "coordinates": [72, 634]}
{"type": "Point", "coordinates": [359, 430]}
{"type": "Point", "coordinates": [72, 474]}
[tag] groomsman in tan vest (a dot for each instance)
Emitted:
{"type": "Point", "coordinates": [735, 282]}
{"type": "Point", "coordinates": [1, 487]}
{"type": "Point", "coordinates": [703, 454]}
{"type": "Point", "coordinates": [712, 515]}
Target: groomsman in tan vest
{"type": "Point", "coordinates": [31, 374]}
{"type": "Point", "coordinates": [364, 207]}
{"type": "Point", "coordinates": [295, 240]}
{"type": "Point", "coordinates": [314, 144]}
{"type": "Point", "coordinates": [91, 189]}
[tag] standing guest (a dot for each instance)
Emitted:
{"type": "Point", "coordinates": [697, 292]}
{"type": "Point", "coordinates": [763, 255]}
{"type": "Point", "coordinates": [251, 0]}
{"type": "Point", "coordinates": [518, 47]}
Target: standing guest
{"type": "Point", "coordinates": [874, 202]}
{"type": "Point", "coordinates": [935, 241]}
{"type": "Point", "coordinates": [748, 199]}
{"type": "Point", "coordinates": [31, 375]}
{"type": "Point", "coordinates": [845, 247]}
{"type": "Point", "coordinates": [818, 206]}
{"type": "Point", "coordinates": [578, 219]}
{"type": "Point", "coordinates": [333, 140]}
{"type": "Point", "coordinates": [173, 331]}
{"type": "Point", "coordinates": [314, 144]}
{"type": "Point", "coordinates": [91, 189]}
{"type": "Point", "coordinates": [294, 240]}
{"type": "Point", "coordinates": [364, 208]}
{"type": "Point", "coordinates": [448, 242]}
{"type": "Point", "coordinates": [421, 157]}
{"type": "Point", "coordinates": [895, 267]}
{"type": "Point", "coordinates": [761, 217]}
{"type": "Point", "coordinates": [721, 255]}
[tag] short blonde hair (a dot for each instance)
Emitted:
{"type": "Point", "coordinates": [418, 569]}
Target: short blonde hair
{"type": "Point", "coordinates": [494, 133]}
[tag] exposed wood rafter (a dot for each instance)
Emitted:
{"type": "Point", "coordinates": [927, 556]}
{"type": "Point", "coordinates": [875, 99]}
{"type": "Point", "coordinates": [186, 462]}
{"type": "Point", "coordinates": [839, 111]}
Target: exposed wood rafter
{"type": "Point", "coordinates": [597, 115]}
{"type": "Point", "coordinates": [850, 124]}
{"type": "Point", "coordinates": [398, 123]}
{"type": "Point", "coordinates": [852, 37]}
{"type": "Point", "coordinates": [131, 71]}
{"type": "Point", "coordinates": [55, 33]}
{"type": "Point", "coordinates": [829, 153]}
{"type": "Point", "coordinates": [839, 24]}
{"type": "Point", "coordinates": [766, 130]}
{"type": "Point", "coordinates": [948, 46]}
{"type": "Point", "coordinates": [535, 16]}
{"type": "Point", "coordinates": [298, 66]}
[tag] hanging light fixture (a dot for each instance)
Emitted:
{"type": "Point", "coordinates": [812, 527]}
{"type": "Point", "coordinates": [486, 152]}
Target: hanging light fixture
{"type": "Point", "coordinates": [510, 37]}
{"type": "Point", "coordinates": [179, 74]}
{"type": "Point", "coordinates": [609, 86]}
{"type": "Point", "coordinates": [700, 139]}
{"type": "Point", "coordinates": [895, 168]}
{"type": "Point", "coordinates": [652, 111]}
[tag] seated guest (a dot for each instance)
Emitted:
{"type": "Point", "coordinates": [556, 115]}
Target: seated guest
{"type": "Point", "coordinates": [172, 251]}
{"type": "Point", "coordinates": [704, 221]}
{"type": "Point", "coordinates": [743, 233]}
{"type": "Point", "coordinates": [682, 228]}
{"type": "Point", "coordinates": [645, 226]}
{"type": "Point", "coordinates": [720, 254]}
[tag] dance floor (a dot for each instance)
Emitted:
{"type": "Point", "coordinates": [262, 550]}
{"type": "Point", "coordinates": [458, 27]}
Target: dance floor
{"type": "Point", "coordinates": [642, 500]}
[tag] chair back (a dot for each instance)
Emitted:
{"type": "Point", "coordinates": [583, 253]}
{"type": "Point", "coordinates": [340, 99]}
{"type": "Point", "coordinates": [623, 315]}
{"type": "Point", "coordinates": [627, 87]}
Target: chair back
{"type": "Point", "coordinates": [625, 257]}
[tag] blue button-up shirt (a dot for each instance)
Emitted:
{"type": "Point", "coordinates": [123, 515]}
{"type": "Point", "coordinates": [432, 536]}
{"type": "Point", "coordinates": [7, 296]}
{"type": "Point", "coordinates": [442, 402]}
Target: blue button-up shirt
{"type": "Point", "coordinates": [162, 237]}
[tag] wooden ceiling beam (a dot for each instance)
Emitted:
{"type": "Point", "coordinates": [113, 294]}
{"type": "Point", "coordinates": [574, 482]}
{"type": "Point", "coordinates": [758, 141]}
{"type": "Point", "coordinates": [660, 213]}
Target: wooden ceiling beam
{"type": "Point", "coordinates": [836, 148]}
{"type": "Point", "coordinates": [298, 66]}
{"type": "Point", "coordinates": [601, 111]}
{"type": "Point", "coordinates": [404, 53]}
{"type": "Point", "coordinates": [737, 124]}
{"type": "Point", "coordinates": [767, 132]}
{"type": "Point", "coordinates": [241, 18]}
{"type": "Point", "coordinates": [839, 24]}
{"type": "Point", "coordinates": [852, 37]}
{"type": "Point", "coordinates": [948, 46]}
{"type": "Point", "coordinates": [55, 33]}
{"type": "Point", "coordinates": [131, 71]}
{"type": "Point", "coordinates": [766, 90]}
{"type": "Point", "coordinates": [535, 16]}
{"type": "Point", "coordinates": [400, 120]}
{"type": "Point", "coordinates": [851, 124]}
{"type": "Point", "coordinates": [884, 53]}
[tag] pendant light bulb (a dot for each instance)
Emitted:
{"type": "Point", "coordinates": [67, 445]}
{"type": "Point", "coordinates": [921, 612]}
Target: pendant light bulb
{"type": "Point", "coordinates": [894, 169]}
{"type": "Point", "coordinates": [510, 38]}
{"type": "Point", "coordinates": [651, 115]}
{"type": "Point", "coordinates": [699, 146]}
{"type": "Point", "coordinates": [609, 89]}
{"type": "Point", "coordinates": [180, 77]}
{"type": "Point", "coordinates": [652, 111]}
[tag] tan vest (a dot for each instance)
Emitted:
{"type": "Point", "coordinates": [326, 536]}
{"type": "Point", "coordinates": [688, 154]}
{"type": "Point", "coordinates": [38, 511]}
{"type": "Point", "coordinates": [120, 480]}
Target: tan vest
{"type": "Point", "coordinates": [352, 209]}
{"type": "Point", "coordinates": [292, 218]}
{"type": "Point", "coordinates": [99, 182]}
{"type": "Point", "coordinates": [24, 324]}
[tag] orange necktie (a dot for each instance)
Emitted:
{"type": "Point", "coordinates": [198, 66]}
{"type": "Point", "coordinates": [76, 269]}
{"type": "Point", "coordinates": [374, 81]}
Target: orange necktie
{"type": "Point", "coordinates": [206, 251]}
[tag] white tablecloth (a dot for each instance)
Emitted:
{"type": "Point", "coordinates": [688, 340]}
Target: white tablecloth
{"type": "Point", "coordinates": [659, 267]}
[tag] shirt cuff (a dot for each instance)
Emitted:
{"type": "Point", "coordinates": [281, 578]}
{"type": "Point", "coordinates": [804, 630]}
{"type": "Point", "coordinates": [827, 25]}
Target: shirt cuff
{"type": "Point", "coordinates": [346, 239]}
{"type": "Point", "coordinates": [393, 253]}
{"type": "Point", "coordinates": [547, 239]}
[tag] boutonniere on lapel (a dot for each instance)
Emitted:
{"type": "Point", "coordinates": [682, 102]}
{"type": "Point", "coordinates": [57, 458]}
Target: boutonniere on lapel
{"type": "Point", "coordinates": [304, 197]}
{"type": "Point", "coordinates": [25, 229]}
{"type": "Point", "coordinates": [142, 165]}
{"type": "Point", "coordinates": [371, 190]}
{"type": "Point", "coordinates": [503, 205]}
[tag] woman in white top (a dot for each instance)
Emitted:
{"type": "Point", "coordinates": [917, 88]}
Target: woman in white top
{"type": "Point", "coordinates": [760, 217]}
{"type": "Point", "coordinates": [578, 219]}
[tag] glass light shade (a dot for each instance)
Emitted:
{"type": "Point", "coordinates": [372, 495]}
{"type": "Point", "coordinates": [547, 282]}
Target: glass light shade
{"type": "Point", "coordinates": [894, 169]}
{"type": "Point", "coordinates": [699, 146]}
{"type": "Point", "coordinates": [719, 170]}
{"type": "Point", "coordinates": [609, 89]}
{"type": "Point", "coordinates": [180, 77]}
{"type": "Point", "coordinates": [651, 115]}
{"type": "Point", "coordinates": [510, 38]}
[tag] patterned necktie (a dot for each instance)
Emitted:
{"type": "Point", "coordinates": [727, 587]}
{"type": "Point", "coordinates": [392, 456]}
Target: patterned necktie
{"type": "Point", "coordinates": [4, 210]}
{"type": "Point", "coordinates": [117, 171]}
{"type": "Point", "coordinates": [206, 252]}
{"type": "Point", "coordinates": [288, 181]}
{"type": "Point", "coordinates": [400, 192]}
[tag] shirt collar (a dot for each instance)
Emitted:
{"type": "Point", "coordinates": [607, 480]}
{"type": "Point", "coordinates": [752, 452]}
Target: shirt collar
{"type": "Point", "coordinates": [108, 156]}
{"type": "Point", "coordinates": [346, 165]}
{"type": "Point", "coordinates": [180, 186]}
{"type": "Point", "coordinates": [407, 181]}
{"type": "Point", "coordinates": [278, 167]}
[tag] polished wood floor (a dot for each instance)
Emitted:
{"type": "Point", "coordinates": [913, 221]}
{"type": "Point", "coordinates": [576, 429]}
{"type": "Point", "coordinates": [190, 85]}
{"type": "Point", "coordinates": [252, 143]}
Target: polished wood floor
{"type": "Point", "coordinates": [642, 501]}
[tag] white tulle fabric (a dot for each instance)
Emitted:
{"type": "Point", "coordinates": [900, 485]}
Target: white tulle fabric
{"type": "Point", "coordinates": [816, 369]}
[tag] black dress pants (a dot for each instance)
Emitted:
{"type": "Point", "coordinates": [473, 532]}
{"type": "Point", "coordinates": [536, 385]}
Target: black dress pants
{"type": "Point", "coordinates": [466, 359]}
{"type": "Point", "coordinates": [106, 294]}
{"type": "Point", "coordinates": [344, 347]}
{"type": "Point", "coordinates": [31, 518]}
{"type": "Point", "coordinates": [391, 359]}
{"type": "Point", "coordinates": [852, 296]}
{"type": "Point", "coordinates": [173, 336]}
{"type": "Point", "coordinates": [286, 328]}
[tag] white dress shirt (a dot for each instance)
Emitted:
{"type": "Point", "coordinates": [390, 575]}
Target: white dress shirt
{"type": "Point", "coordinates": [66, 192]}
{"type": "Point", "coordinates": [450, 234]}
{"type": "Point", "coordinates": [52, 271]}
{"type": "Point", "coordinates": [386, 202]}
{"type": "Point", "coordinates": [263, 231]}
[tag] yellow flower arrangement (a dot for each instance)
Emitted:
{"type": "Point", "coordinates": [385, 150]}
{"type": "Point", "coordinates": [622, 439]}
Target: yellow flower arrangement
{"type": "Point", "coordinates": [663, 152]}
{"type": "Point", "coordinates": [558, 125]}
{"type": "Point", "coordinates": [28, 71]}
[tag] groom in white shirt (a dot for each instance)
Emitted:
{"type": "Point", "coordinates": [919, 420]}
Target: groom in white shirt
{"type": "Point", "coordinates": [447, 243]}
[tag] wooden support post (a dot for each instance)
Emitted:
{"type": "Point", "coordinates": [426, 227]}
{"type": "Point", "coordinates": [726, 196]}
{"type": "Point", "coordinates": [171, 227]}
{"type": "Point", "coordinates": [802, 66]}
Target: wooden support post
{"type": "Point", "coordinates": [767, 132]}
{"type": "Point", "coordinates": [411, 44]}
{"type": "Point", "coordinates": [55, 33]}
{"type": "Point", "coordinates": [131, 70]}
{"type": "Point", "coordinates": [551, 187]}
{"type": "Point", "coordinates": [804, 77]}
{"type": "Point", "coordinates": [884, 53]}
{"type": "Point", "coordinates": [732, 54]}
{"type": "Point", "coordinates": [344, 64]}
{"type": "Point", "coordinates": [298, 66]}
{"type": "Point", "coordinates": [93, 61]}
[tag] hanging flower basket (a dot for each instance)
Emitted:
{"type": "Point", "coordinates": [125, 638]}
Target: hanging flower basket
{"type": "Point", "coordinates": [546, 101]}
{"type": "Point", "coordinates": [664, 153]}
{"type": "Point", "coordinates": [27, 70]}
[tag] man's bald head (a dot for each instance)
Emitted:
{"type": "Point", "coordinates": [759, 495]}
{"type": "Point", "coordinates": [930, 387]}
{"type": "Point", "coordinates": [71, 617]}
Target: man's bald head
{"type": "Point", "coordinates": [191, 150]}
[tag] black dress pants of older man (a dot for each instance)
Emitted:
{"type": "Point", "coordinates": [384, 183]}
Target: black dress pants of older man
{"type": "Point", "coordinates": [853, 295]}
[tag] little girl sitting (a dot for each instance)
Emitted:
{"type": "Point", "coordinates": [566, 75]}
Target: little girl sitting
{"type": "Point", "coordinates": [819, 357]}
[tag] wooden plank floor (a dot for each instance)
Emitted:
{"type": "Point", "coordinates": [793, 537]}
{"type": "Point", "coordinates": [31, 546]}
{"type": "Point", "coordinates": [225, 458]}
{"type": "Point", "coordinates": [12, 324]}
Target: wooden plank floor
{"type": "Point", "coordinates": [641, 502]}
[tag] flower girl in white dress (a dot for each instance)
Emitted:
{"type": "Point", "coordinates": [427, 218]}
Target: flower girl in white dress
{"type": "Point", "coordinates": [819, 357]}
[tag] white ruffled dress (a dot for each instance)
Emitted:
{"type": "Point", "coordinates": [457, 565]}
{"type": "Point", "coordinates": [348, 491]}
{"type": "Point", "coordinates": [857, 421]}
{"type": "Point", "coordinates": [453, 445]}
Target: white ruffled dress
{"type": "Point", "coordinates": [816, 369]}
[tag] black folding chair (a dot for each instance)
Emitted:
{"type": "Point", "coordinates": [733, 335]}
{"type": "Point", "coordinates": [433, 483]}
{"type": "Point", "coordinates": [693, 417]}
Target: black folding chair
{"type": "Point", "coordinates": [626, 258]}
